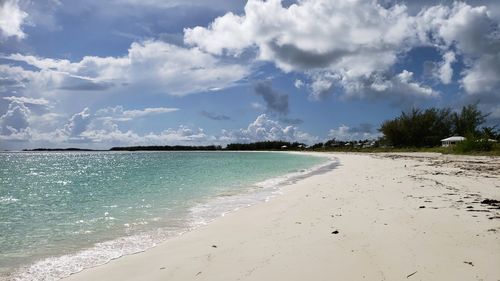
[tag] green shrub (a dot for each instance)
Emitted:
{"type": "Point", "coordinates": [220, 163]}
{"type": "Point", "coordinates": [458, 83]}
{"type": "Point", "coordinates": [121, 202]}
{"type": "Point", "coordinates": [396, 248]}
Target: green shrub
{"type": "Point", "coordinates": [473, 145]}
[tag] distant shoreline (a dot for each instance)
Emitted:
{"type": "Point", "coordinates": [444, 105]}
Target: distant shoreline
{"type": "Point", "coordinates": [63, 149]}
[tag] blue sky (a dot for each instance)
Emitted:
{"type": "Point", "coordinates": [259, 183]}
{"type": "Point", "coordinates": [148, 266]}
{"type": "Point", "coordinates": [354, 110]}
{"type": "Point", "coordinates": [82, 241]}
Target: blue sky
{"type": "Point", "coordinates": [98, 74]}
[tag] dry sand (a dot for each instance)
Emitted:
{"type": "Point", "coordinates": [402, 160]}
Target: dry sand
{"type": "Point", "coordinates": [375, 217]}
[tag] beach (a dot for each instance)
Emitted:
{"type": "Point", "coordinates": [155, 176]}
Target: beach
{"type": "Point", "coordinates": [373, 217]}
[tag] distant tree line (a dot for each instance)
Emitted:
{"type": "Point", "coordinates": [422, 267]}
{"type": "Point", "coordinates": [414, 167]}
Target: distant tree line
{"type": "Point", "coordinates": [426, 128]}
{"type": "Point", "coordinates": [265, 145]}
{"type": "Point", "coordinates": [334, 143]}
{"type": "Point", "coordinates": [167, 148]}
{"type": "Point", "coordinates": [262, 145]}
{"type": "Point", "coordinates": [61, 149]}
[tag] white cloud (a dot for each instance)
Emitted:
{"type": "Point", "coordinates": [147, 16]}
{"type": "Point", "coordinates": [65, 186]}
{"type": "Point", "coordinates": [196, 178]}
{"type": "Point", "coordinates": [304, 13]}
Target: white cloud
{"type": "Point", "coordinates": [483, 76]}
{"type": "Point", "coordinates": [154, 65]}
{"type": "Point", "coordinates": [110, 134]}
{"type": "Point", "coordinates": [78, 123]}
{"type": "Point", "coordinates": [475, 35]}
{"type": "Point", "coordinates": [263, 129]}
{"type": "Point", "coordinates": [100, 130]}
{"type": "Point", "coordinates": [14, 124]}
{"type": "Point", "coordinates": [399, 89]}
{"type": "Point", "coordinates": [298, 83]}
{"type": "Point", "coordinates": [353, 36]}
{"type": "Point", "coordinates": [26, 100]}
{"type": "Point", "coordinates": [469, 28]}
{"type": "Point", "coordinates": [333, 42]}
{"type": "Point", "coordinates": [101, 127]}
{"type": "Point", "coordinates": [347, 44]}
{"type": "Point", "coordinates": [118, 113]}
{"type": "Point", "coordinates": [11, 19]}
{"type": "Point", "coordinates": [445, 71]}
{"type": "Point", "coordinates": [322, 84]}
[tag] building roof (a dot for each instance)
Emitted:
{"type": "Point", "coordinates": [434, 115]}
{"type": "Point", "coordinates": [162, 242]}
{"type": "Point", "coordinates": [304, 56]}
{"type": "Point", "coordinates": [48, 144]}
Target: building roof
{"type": "Point", "coordinates": [454, 138]}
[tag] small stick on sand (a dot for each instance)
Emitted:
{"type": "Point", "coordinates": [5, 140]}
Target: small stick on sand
{"type": "Point", "coordinates": [411, 274]}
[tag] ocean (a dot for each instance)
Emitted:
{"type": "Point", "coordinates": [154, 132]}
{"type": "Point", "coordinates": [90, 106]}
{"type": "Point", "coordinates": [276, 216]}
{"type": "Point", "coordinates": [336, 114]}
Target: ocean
{"type": "Point", "coordinates": [61, 212]}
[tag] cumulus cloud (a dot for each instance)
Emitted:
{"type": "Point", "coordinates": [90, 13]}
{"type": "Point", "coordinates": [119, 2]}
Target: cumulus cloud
{"type": "Point", "coordinates": [483, 76]}
{"type": "Point", "coordinates": [78, 123]}
{"type": "Point", "coordinates": [349, 44]}
{"type": "Point", "coordinates": [110, 134]}
{"type": "Point", "coordinates": [470, 29]}
{"type": "Point", "coordinates": [14, 78]}
{"type": "Point", "coordinates": [400, 89]}
{"type": "Point", "coordinates": [445, 71]}
{"type": "Point", "coordinates": [330, 41]}
{"type": "Point", "coordinates": [475, 35]}
{"type": "Point", "coordinates": [11, 19]}
{"type": "Point", "coordinates": [360, 132]}
{"type": "Point", "coordinates": [215, 116]}
{"type": "Point", "coordinates": [101, 126]}
{"type": "Point", "coordinates": [356, 35]}
{"type": "Point", "coordinates": [15, 122]}
{"type": "Point", "coordinates": [263, 129]}
{"type": "Point", "coordinates": [323, 83]}
{"type": "Point", "coordinates": [154, 65]}
{"type": "Point", "coordinates": [91, 130]}
{"type": "Point", "coordinates": [276, 102]}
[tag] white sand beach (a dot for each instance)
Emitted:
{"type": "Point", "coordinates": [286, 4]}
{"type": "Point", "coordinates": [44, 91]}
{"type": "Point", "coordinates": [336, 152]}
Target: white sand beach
{"type": "Point", "coordinates": [374, 217]}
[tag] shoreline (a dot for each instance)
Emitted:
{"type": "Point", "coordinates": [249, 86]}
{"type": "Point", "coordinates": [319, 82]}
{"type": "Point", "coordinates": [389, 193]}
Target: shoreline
{"type": "Point", "coordinates": [382, 216]}
{"type": "Point", "coordinates": [218, 206]}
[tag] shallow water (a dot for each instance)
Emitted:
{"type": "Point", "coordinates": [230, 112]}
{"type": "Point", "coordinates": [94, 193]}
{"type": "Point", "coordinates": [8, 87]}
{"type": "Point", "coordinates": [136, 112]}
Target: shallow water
{"type": "Point", "coordinates": [61, 212]}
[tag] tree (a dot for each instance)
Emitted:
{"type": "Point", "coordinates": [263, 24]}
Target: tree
{"type": "Point", "coordinates": [316, 145]}
{"type": "Point", "coordinates": [418, 128]}
{"type": "Point", "coordinates": [490, 133]}
{"type": "Point", "coordinates": [467, 122]}
{"type": "Point", "coordinates": [426, 128]}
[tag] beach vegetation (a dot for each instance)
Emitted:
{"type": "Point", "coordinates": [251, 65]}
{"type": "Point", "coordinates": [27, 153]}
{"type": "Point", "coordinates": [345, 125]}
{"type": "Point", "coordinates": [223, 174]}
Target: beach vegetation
{"type": "Point", "coordinates": [473, 144]}
{"type": "Point", "coordinates": [419, 130]}
{"type": "Point", "coordinates": [426, 128]}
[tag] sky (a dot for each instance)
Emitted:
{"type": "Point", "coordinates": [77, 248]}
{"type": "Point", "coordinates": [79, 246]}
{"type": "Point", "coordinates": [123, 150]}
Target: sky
{"type": "Point", "coordinates": [98, 74]}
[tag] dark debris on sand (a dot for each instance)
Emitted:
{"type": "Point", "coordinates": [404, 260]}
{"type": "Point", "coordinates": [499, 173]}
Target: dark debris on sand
{"type": "Point", "coordinates": [491, 202]}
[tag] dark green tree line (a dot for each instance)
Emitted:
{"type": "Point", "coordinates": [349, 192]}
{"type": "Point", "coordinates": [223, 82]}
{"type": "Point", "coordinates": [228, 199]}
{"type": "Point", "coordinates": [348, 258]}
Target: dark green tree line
{"type": "Point", "coordinates": [425, 128]}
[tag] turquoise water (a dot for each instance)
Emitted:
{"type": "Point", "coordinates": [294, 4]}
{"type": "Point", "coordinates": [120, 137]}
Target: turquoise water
{"type": "Point", "coordinates": [61, 212]}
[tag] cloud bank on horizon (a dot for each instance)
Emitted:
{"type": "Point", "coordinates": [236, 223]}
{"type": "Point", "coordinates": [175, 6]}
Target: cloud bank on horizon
{"type": "Point", "coordinates": [246, 71]}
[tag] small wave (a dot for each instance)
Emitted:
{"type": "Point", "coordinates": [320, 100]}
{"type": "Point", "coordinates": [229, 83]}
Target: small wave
{"type": "Point", "coordinates": [8, 199]}
{"type": "Point", "coordinates": [293, 177]}
{"type": "Point", "coordinates": [55, 268]}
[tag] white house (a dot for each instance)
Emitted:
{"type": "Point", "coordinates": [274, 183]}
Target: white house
{"type": "Point", "coordinates": [451, 140]}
